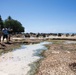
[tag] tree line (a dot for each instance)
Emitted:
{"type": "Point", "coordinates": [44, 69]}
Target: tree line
{"type": "Point", "coordinates": [13, 24]}
{"type": "Point", "coordinates": [49, 34]}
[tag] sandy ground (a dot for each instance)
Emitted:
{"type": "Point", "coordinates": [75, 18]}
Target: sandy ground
{"type": "Point", "coordinates": [59, 59]}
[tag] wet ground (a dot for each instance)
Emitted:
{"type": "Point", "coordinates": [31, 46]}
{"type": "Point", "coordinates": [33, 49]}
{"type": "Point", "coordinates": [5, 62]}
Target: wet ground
{"type": "Point", "coordinates": [17, 61]}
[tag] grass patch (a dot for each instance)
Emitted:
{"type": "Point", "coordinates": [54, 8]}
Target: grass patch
{"type": "Point", "coordinates": [57, 41]}
{"type": "Point", "coordinates": [34, 67]}
{"type": "Point", "coordinates": [9, 48]}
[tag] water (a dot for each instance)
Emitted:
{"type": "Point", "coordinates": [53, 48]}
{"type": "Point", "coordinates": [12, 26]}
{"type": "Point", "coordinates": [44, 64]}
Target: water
{"type": "Point", "coordinates": [70, 42]}
{"type": "Point", "coordinates": [17, 62]}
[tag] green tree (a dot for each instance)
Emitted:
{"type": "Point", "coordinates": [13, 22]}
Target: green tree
{"type": "Point", "coordinates": [1, 23]}
{"type": "Point", "coordinates": [14, 24]}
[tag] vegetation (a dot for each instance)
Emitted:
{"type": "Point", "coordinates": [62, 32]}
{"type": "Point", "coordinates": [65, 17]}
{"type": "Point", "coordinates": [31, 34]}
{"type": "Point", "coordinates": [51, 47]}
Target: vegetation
{"type": "Point", "coordinates": [44, 35]}
{"type": "Point", "coordinates": [59, 34]}
{"type": "Point", "coordinates": [15, 25]}
{"type": "Point", "coordinates": [1, 23]}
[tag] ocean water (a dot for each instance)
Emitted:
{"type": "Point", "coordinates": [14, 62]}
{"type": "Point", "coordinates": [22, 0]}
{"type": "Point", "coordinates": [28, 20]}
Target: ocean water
{"type": "Point", "coordinates": [17, 62]}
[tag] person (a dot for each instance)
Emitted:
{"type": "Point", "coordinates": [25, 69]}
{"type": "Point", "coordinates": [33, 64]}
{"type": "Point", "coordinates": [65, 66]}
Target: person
{"type": "Point", "coordinates": [5, 34]}
{"type": "Point", "coordinates": [9, 32]}
{"type": "Point", "coordinates": [0, 33]}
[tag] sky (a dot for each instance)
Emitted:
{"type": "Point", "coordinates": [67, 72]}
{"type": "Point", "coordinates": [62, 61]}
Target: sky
{"type": "Point", "coordinates": [42, 16]}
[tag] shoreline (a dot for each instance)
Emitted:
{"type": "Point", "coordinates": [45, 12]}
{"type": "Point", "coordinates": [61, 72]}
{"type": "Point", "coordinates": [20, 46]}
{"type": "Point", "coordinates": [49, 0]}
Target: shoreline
{"type": "Point", "coordinates": [8, 47]}
{"type": "Point", "coordinates": [16, 43]}
{"type": "Point", "coordinates": [35, 65]}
